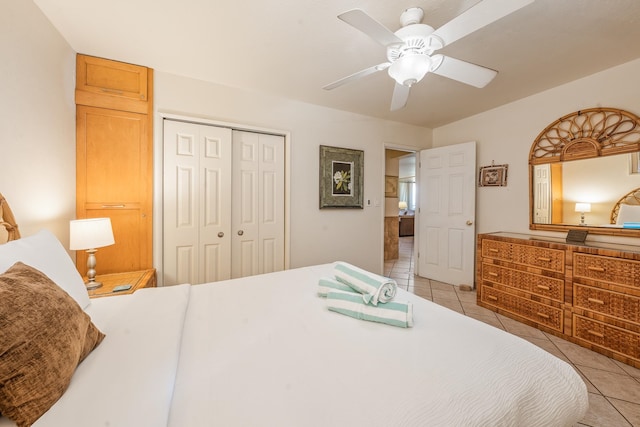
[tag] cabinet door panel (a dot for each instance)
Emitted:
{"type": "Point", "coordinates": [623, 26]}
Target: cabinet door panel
{"type": "Point", "coordinates": [116, 157]}
{"type": "Point", "coordinates": [111, 84]}
{"type": "Point", "coordinates": [113, 179]}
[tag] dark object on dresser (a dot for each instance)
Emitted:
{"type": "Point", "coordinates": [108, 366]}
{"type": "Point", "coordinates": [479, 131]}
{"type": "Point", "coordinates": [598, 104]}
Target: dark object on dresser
{"type": "Point", "coordinates": [406, 225]}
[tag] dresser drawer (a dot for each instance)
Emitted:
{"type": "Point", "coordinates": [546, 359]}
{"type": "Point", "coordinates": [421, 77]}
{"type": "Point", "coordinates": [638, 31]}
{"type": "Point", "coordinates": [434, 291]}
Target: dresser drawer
{"type": "Point", "coordinates": [607, 336]}
{"type": "Point", "coordinates": [544, 258]}
{"type": "Point", "coordinates": [547, 287]}
{"type": "Point", "coordinates": [614, 304]}
{"type": "Point", "coordinates": [607, 269]}
{"type": "Point", "coordinates": [541, 314]}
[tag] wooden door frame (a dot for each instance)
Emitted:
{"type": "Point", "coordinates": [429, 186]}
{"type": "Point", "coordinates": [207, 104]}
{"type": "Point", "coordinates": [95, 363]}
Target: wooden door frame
{"type": "Point", "coordinates": [158, 154]}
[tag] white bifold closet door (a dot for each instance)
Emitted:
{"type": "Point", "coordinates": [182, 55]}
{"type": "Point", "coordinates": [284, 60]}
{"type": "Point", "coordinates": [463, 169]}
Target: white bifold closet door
{"type": "Point", "coordinates": [223, 200]}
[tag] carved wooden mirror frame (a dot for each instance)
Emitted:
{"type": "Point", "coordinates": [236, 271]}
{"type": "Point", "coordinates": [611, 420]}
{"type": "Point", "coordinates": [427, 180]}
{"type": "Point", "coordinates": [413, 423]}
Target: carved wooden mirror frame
{"type": "Point", "coordinates": [584, 134]}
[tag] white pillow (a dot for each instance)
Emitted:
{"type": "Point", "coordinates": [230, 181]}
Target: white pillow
{"type": "Point", "coordinates": [628, 213]}
{"type": "Point", "coordinates": [43, 251]}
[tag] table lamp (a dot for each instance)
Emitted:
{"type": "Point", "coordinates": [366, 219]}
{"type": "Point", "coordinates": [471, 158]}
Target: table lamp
{"type": "Point", "coordinates": [582, 208]}
{"type": "Point", "coordinates": [90, 234]}
{"type": "Point", "coordinates": [402, 206]}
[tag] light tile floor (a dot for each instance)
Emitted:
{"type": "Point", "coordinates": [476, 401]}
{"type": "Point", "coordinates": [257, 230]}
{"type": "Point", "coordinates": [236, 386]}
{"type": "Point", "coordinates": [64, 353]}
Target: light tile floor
{"type": "Point", "coordinates": [614, 387]}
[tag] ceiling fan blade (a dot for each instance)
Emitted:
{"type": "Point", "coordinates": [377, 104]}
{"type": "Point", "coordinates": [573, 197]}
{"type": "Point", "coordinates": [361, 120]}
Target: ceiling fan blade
{"type": "Point", "coordinates": [462, 71]}
{"type": "Point", "coordinates": [363, 22]}
{"type": "Point", "coordinates": [476, 17]}
{"type": "Point", "coordinates": [357, 75]}
{"type": "Point", "coordinates": [400, 96]}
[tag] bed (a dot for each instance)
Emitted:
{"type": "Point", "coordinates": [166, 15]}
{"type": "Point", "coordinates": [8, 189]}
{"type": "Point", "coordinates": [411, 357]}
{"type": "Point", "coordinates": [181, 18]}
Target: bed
{"type": "Point", "coordinates": [627, 209]}
{"type": "Point", "coordinates": [265, 351]}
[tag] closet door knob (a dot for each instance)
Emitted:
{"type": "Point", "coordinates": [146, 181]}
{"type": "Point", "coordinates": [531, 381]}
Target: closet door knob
{"type": "Point", "coordinates": [240, 232]}
{"type": "Point", "coordinates": [221, 234]}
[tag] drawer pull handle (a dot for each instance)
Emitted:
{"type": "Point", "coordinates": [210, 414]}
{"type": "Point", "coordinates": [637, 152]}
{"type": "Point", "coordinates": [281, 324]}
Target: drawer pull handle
{"type": "Point", "coordinates": [112, 206]}
{"type": "Point", "coordinates": [491, 273]}
{"type": "Point", "coordinates": [114, 91]}
{"type": "Point", "coordinates": [495, 251]}
{"type": "Point", "coordinates": [597, 334]}
{"type": "Point", "coordinates": [543, 287]}
{"type": "Point", "coordinates": [540, 258]}
{"type": "Point", "coordinates": [598, 269]}
{"type": "Point", "coordinates": [544, 316]}
{"type": "Point", "coordinates": [492, 298]}
{"type": "Point", "coordinates": [596, 301]}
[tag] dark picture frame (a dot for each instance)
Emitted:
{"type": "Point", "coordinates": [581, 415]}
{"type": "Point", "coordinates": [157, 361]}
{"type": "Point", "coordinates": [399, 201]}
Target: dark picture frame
{"type": "Point", "coordinates": [493, 176]}
{"type": "Point", "coordinates": [341, 177]}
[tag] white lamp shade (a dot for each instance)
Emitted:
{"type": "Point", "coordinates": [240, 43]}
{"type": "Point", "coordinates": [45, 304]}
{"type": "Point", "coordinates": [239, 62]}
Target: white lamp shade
{"type": "Point", "coordinates": [583, 207]}
{"type": "Point", "coordinates": [409, 69]}
{"type": "Point", "coordinates": [90, 233]}
{"type": "Point", "coordinates": [402, 205]}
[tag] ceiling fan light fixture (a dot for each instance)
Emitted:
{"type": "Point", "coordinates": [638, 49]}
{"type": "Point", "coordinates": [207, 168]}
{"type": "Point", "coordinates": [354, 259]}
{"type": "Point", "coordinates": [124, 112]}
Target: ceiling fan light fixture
{"type": "Point", "coordinates": [410, 69]}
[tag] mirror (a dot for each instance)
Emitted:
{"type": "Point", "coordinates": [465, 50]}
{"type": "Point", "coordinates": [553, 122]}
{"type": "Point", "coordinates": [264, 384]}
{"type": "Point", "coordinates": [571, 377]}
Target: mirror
{"type": "Point", "coordinates": [580, 167]}
{"type": "Point", "coordinates": [599, 182]}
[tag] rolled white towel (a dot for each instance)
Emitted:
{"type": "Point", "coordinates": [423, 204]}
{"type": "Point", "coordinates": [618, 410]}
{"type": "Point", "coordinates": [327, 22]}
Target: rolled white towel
{"type": "Point", "coordinates": [394, 313]}
{"type": "Point", "coordinates": [373, 287]}
{"type": "Point", "coordinates": [326, 284]}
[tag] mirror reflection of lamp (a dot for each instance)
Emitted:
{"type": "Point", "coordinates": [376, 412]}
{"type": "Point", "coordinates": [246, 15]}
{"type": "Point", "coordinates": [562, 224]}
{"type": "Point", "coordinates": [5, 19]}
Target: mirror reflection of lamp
{"type": "Point", "coordinates": [582, 208]}
{"type": "Point", "coordinates": [403, 206]}
{"type": "Point", "coordinates": [90, 234]}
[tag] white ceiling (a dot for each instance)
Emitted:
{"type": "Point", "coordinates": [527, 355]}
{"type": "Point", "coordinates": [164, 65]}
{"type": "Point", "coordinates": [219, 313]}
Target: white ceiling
{"type": "Point", "coordinates": [293, 48]}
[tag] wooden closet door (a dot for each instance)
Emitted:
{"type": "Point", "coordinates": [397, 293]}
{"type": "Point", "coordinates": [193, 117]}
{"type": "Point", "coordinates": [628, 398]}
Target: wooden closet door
{"type": "Point", "coordinates": [114, 179]}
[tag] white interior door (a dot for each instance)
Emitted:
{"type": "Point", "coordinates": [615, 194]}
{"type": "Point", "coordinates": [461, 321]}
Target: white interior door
{"type": "Point", "coordinates": [542, 194]}
{"type": "Point", "coordinates": [257, 204]}
{"type": "Point", "coordinates": [446, 240]}
{"type": "Point", "coordinates": [196, 203]}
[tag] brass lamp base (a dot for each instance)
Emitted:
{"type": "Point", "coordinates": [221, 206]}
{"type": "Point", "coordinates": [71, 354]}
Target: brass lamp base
{"type": "Point", "coordinates": [91, 270]}
{"type": "Point", "coordinates": [92, 284]}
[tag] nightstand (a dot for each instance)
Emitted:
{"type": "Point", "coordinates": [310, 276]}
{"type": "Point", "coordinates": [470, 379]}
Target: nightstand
{"type": "Point", "coordinates": [137, 280]}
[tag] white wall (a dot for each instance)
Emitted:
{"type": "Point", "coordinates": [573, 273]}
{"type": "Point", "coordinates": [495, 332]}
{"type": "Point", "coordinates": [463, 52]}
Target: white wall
{"type": "Point", "coordinates": [317, 236]}
{"type": "Point", "coordinates": [37, 120]}
{"type": "Point", "coordinates": [505, 135]}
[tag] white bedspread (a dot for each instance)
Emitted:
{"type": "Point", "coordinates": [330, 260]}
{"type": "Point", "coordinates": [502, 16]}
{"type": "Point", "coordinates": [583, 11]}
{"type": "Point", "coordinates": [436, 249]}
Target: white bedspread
{"type": "Point", "coordinates": [265, 351]}
{"type": "Point", "coordinates": [128, 380]}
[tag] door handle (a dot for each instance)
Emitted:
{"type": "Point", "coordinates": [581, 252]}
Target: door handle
{"type": "Point", "coordinates": [469, 222]}
{"type": "Point", "coordinates": [221, 234]}
{"type": "Point", "coordinates": [240, 232]}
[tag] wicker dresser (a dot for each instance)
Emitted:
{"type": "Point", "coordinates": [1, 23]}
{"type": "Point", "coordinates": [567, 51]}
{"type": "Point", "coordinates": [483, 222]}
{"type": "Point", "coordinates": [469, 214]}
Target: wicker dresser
{"type": "Point", "coordinates": [588, 294]}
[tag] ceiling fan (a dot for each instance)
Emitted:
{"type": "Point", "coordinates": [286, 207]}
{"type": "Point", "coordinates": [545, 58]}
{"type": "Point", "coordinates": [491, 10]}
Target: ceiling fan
{"type": "Point", "coordinates": [410, 50]}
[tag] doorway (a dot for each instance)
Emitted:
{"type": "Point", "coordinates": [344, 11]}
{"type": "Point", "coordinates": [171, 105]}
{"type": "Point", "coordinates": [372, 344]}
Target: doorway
{"type": "Point", "coordinates": [400, 199]}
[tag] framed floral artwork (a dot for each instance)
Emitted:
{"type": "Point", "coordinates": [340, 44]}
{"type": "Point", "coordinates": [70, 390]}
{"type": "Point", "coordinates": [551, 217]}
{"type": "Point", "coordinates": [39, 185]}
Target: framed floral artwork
{"type": "Point", "coordinates": [341, 177]}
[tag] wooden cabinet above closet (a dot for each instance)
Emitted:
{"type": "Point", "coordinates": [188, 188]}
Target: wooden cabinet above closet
{"type": "Point", "coordinates": [114, 155]}
{"type": "Point", "coordinates": [110, 84]}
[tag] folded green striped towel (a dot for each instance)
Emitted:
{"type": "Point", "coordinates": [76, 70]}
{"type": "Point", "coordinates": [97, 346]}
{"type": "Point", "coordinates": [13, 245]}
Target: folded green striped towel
{"type": "Point", "coordinates": [326, 284]}
{"type": "Point", "coordinates": [394, 313]}
{"type": "Point", "coordinates": [373, 287]}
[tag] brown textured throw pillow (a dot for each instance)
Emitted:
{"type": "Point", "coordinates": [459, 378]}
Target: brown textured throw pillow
{"type": "Point", "coordinates": [44, 335]}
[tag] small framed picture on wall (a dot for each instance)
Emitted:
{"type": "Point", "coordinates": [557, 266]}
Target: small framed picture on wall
{"type": "Point", "coordinates": [493, 176]}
